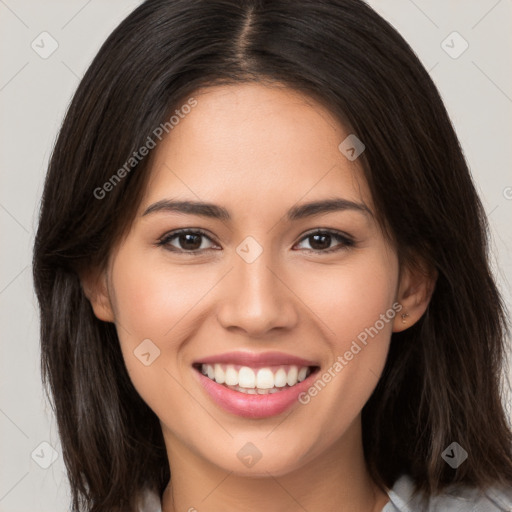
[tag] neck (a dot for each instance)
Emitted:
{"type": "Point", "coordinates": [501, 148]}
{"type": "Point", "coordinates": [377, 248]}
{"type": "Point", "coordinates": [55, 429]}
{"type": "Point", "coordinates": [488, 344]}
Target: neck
{"type": "Point", "coordinates": [335, 480]}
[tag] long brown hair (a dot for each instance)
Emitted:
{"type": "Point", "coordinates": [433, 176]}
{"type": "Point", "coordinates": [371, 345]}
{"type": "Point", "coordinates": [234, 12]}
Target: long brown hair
{"type": "Point", "coordinates": [441, 382]}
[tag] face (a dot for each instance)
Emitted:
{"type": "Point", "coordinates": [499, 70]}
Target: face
{"type": "Point", "coordinates": [290, 306]}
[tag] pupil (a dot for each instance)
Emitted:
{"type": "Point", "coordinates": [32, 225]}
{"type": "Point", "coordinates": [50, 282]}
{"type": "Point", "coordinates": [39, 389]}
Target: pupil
{"type": "Point", "coordinates": [187, 241]}
{"type": "Point", "coordinates": [325, 245]}
{"type": "Point", "coordinates": [191, 241]}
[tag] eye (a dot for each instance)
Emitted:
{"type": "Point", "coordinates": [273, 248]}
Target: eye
{"type": "Point", "coordinates": [186, 241]}
{"type": "Point", "coordinates": [193, 241]}
{"type": "Point", "coordinates": [320, 241]}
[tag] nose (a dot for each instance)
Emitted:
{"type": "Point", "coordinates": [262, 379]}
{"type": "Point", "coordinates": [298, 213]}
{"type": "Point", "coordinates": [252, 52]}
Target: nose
{"type": "Point", "coordinates": [256, 298]}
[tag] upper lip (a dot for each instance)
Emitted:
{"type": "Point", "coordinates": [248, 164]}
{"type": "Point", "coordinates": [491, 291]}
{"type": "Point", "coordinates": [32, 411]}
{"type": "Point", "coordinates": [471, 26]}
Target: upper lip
{"type": "Point", "coordinates": [256, 359]}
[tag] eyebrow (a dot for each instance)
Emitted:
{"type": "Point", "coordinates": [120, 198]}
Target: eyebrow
{"type": "Point", "coordinates": [214, 211]}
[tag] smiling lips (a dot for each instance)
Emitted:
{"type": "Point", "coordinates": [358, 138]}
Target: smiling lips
{"type": "Point", "coordinates": [269, 379]}
{"type": "Point", "coordinates": [254, 385]}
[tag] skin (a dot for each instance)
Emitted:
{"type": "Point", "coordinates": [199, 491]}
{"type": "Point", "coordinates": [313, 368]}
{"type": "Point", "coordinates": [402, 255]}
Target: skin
{"type": "Point", "coordinates": [257, 150]}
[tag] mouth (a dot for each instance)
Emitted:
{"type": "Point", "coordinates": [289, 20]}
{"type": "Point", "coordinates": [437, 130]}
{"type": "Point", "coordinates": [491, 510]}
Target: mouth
{"type": "Point", "coordinates": [255, 385]}
{"type": "Point", "coordinates": [256, 381]}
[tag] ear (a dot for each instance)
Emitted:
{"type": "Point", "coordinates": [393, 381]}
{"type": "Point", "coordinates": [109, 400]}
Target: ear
{"type": "Point", "coordinates": [95, 287]}
{"type": "Point", "coordinates": [417, 283]}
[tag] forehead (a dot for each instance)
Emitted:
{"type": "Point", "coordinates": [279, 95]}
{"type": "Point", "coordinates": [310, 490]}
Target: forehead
{"type": "Point", "coordinates": [255, 144]}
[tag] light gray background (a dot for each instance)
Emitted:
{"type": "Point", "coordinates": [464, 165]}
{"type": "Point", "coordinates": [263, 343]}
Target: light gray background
{"type": "Point", "coordinates": [34, 94]}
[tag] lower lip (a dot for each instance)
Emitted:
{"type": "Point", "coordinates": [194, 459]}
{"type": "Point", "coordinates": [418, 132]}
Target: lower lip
{"type": "Point", "coordinates": [253, 406]}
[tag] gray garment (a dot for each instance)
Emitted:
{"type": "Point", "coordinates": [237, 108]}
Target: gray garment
{"type": "Point", "coordinates": [455, 499]}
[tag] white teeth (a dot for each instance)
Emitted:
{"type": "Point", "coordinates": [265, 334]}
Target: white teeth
{"type": "Point", "coordinates": [220, 376]}
{"type": "Point", "coordinates": [264, 379]}
{"type": "Point", "coordinates": [246, 377]}
{"type": "Point", "coordinates": [292, 376]}
{"type": "Point", "coordinates": [231, 376]}
{"type": "Point", "coordinates": [302, 374]}
{"type": "Point", "coordinates": [280, 378]}
{"type": "Point", "coordinates": [253, 391]}
{"type": "Point", "coordinates": [255, 381]}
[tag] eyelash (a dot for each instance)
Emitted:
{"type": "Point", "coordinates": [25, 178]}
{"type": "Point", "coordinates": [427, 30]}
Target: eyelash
{"type": "Point", "coordinates": [344, 240]}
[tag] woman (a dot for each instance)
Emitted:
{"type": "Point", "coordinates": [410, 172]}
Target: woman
{"type": "Point", "coordinates": [262, 272]}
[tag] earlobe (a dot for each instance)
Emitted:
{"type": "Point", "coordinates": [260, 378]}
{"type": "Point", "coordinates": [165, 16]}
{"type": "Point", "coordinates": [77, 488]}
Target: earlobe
{"type": "Point", "coordinates": [96, 290]}
{"type": "Point", "coordinates": [414, 293]}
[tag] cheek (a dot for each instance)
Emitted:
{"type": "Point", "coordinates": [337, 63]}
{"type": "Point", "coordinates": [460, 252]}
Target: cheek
{"type": "Point", "coordinates": [153, 305]}
{"type": "Point", "coordinates": [355, 303]}
{"type": "Point", "coordinates": [154, 299]}
{"type": "Point", "coordinates": [350, 297]}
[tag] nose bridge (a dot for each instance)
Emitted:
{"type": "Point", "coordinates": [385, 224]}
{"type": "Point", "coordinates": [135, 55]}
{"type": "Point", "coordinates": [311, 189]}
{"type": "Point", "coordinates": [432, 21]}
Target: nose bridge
{"type": "Point", "coordinates": [255, 284]}
{"type": "Point", "coordinates": [256, 279]}
{"type": "Point", "coordinates": [256, 300]}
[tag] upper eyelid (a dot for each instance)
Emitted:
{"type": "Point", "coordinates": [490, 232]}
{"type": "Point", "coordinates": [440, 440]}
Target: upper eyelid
{"type": "Point", "coordinates": [171, 234]}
